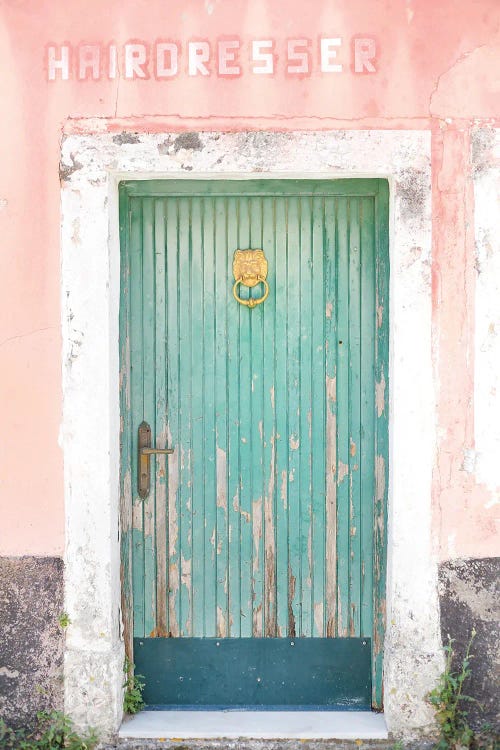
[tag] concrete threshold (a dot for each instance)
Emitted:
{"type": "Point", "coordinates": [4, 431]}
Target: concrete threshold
{"type": "Point", "coordinates": [264, 725]}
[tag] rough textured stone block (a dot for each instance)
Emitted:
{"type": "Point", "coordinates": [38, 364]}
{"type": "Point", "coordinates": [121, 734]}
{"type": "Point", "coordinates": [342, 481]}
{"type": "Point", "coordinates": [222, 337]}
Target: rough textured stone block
{"type": "Point", "coordinates": [32, 641]}
{"type": "Point", "coordinates": [469, 595]}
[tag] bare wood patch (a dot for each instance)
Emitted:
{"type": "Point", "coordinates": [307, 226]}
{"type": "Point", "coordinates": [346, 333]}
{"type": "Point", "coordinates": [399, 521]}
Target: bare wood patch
{"type": "Point", "coordinates": [257, 628]}
{"type": "Point", "coordinates": [173, 591]}
{"type": "Point", "coordinates": [221, 479]}
{"type": "Point", "coordinates": [284, 489]}
{"type": "Point", "coordinates": [270, 552]}
{"type": "Point", "coordinates": [379, 478]}
{"type": "Point", "coordinates": [331, 390]}
{"type": "Point", "coordinates": [352, 620]}
{"type": "Point", "coordinates": [221, 623]}
{"type": "Point", "coordinates": [342, 471]}
{"type": "Point", "coordinates": [173, 536]}
{"type": "Point", "coordinates": [341, 631]}
{"type": "Point", "coordinates": [126, 563]}
{"type": "Point", "coordinates": [291, 596]}
{"type": "Point", "coordinates": [319, 618]}
{"type": "Point", "coordinates": [380, 315]}
{"type": "Point", "coordinates": [331, 523]}
{"type": "Point", "coordinates": [187, 582]}
{"type": "Point", "coordinates": [308, 581]}
{"type": "Point", "coordinates": [380, 395]}
{"type": "Point", "coordinates": [159, 632]}
{"type": "Point", "coordinates": [161, 538]}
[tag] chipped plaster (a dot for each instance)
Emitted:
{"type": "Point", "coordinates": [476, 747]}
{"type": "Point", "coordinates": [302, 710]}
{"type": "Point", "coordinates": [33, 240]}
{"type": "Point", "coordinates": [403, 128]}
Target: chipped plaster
{"type": "Point", "coordinates": [485, 152]}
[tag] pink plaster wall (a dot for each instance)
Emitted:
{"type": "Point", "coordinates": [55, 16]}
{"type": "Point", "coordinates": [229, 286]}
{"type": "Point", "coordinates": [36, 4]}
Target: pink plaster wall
{"type": "Point", "coordinates": [435, 61]}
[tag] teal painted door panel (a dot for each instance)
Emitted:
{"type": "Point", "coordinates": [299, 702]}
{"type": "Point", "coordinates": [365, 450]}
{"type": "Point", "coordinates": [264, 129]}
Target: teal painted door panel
{"type": "Point", "coordinates": [268, 520]}
{"type": "Point", "coordinates": [270, 673]}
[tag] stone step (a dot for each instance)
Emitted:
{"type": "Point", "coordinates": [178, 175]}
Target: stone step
{"type": "Point", "coordinates": [263, 725]}
{"type": "Point", "coordinates": [257, 730]}
{"type": "Point", "coordinates": [260, 744]}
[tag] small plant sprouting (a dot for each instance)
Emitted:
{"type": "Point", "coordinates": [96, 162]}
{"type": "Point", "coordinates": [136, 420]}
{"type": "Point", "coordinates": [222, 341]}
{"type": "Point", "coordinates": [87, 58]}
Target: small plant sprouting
{"type": "Point", "coordinates": [447, 699]}
{"type": "Point", "coordinates": [54, 731]}
{"type": "Point", "coordinates": [64, 620]}
{"type": "Point", "coordinates": [133, 701]}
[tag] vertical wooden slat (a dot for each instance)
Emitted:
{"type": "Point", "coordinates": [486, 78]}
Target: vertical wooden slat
{"type": "Point", "coordinates": [126, 496]}
{"type": "Point", "coordinates": [256, 431]}
{"type": "Point", "coordinates": [354, 420]}
{"type": "Point", "coordinates": [209, 477]}
{"type": "Point", "coordinates": [173, 423]}
{"type": "Point", "coordinates": [304, 303]}
{"type": "Point", "coordinates": [293, 436]}
{"type": "Point", "coordinates": [270, 490]}
{"type": "Point", "coordinates": [381, 436]}
{"type": "Point", "coordinates": [280, 401]}
{"type": "Point", "coordinates": [148, 382]}
{"type": "Point", "coordinates": [160, 401]}
{"type": "Point", "coordinates": [317, 423]}
{"type": "Point", "coordinates": [245, 422]}
{"type": "Point", "coordinates": [233, 416]}
{"type": "Point", "coordinates": [342, 345]}
{"type": "Point", "coordinates": [221, 396]}
{"type": "Point", "coordinates": [330, 385]}
{"type": "Point", "coordinates": [200, 474]}
{"type": "Point", "coordinates": [185, 302]}
{"type": "Point", "coordinates": [137, 406]}
{"type": "Point", "coordinates": [366, 452]}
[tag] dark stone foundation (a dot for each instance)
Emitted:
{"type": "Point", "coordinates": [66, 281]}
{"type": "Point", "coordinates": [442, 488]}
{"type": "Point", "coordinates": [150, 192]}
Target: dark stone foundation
{"type": "Point", "coordinates": [31, 639]}
{"type": "Point", "coordinates": [469, 598]}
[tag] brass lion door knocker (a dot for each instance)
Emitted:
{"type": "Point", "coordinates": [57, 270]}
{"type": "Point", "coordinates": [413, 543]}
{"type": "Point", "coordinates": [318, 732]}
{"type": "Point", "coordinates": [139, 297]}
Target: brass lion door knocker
{"type": "Point", "coordinates": [250, 269]}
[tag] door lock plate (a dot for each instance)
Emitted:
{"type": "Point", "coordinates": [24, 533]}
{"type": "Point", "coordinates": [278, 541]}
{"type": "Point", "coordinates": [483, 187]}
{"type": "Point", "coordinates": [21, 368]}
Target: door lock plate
{"type": "Point", "coordinates": [144, 453]}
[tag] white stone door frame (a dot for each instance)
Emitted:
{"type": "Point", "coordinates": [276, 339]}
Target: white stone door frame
{"type": "Point", "coordinates": [91, 169]}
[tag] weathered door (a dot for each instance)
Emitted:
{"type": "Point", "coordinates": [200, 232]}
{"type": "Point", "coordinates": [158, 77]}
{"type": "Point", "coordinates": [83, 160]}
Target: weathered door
{"type": "Point", "coordinates": [253, 572]}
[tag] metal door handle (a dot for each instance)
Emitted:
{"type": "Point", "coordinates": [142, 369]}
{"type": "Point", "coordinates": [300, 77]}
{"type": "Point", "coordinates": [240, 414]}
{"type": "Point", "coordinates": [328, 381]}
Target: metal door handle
{"type": "Point", "coordinates": [144, 451]}
{"type": "Point", "coordinates": [150, 451]}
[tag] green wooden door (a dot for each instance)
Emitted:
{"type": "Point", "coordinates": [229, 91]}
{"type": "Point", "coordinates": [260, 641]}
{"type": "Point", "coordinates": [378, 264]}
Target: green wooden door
{"type": "Point", "coordinates": [253, 573]}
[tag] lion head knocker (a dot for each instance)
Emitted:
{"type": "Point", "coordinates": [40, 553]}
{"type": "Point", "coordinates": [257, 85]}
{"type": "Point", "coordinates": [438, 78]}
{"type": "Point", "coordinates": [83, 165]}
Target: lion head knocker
{"type": "Point", "coordinates": [250, 269]}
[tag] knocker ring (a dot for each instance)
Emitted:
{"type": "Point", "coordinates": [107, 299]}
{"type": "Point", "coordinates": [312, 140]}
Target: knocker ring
{"type": "Point", "coordinates": [251, 302]}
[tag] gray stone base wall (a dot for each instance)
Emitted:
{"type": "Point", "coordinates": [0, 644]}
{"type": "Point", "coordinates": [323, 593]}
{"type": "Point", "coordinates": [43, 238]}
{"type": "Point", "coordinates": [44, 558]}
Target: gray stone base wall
{"type": "Point", "coordinates": [31, 639]}
{"type": "Point", "coordinates": [470, 599]}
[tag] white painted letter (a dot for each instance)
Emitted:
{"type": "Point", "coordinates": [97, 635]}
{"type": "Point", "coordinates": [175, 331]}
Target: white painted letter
{"type": "Point", "coordinates": [135, 58]}
{"type": "Point", "coordinates": [62, 64]}
{"type": "Point", "coordinates": [198, 55]}
{"type": "Point", "coordinates": [263, 57]}
{"type": "Point", "coordinates": [162, 70]}
{"type": "Point", "coordinates": [227, 56]}
{"type": "Point", "coordinates": [299, 56]}
{"type": "Point", "coordinates": [112, 61]}
{"type": "Point", "coordinates": [364, 52]}
{"type": "Point", "coordinates": [89, 58]}
{"type": "Point", "coordinates": [328, 54]}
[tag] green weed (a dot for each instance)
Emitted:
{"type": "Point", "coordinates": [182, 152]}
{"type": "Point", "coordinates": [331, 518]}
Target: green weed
{"type": "Point", "coordinates": [133, 701]}
{"type": "Point", "coordinates": [53, 731]}
{"type": "Point", "coordinates": [64, 620]}
{"type": "Point", "coordinates": [448, 701]}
